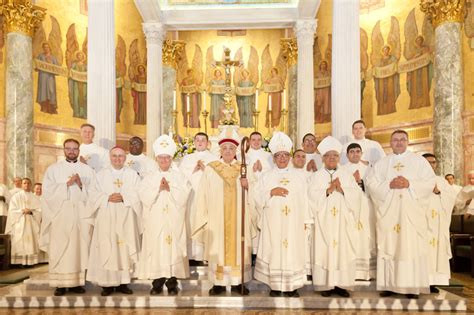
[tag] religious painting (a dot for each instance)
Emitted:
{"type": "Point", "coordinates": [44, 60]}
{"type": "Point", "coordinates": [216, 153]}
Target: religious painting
{"type": "Point", "coordinates": [48, 59]}
{"type": "Point", "coordinates": [384, 59]}
{"type": "Point", "coordinates": [364, 63]}
{"type": "Point", "coordinates": [245, 81]}
{"type": "Point", "coordinates": [367, 6]}
{"type": "Point", "coordinates": [215, 85]}
{"type": "Point", "coordinates": [83, 7]}
{"type": "Point", "coordinates": [469, 23]}
{"type": "Point", "coordinates": [120, 72]}
{"type": "Point", "coordinates": [418, 51]}
{"type": "Point", "coordinates": [273, 83]}
{"type": "Point", "coordinates": [137, 75]}
{"type": "Point", "coordinates": [2, 39]}
{"type": "Point", "coordinates": [76, 61]}
{"type": "Point", "coordinates": [190, 79]}
{"type": "Point", "coordinates": [322, 81]}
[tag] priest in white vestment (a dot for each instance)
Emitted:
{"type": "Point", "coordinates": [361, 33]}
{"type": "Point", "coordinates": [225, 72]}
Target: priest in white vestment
{"type": "Point", "coordinates": [92, 154]}
{"type": "Point", "coordinates": [16, 186]}
{"type": "Point", "coordinates": [366, 250]}
{"type": "Point", "coordinates": [164, 195]}
{"type": "Point", "coordinates": [372, 151]}
{"type": "Point", "coordinates": [400, 186]}
{"type": "Point", "coordinates": [219, 215]}
{"type": "Point", "coordinates": [452, 182]}
{"type": "Point", "coordinates": [282, 196]}
{"type": "Point", "coordinates": [4, 200]}
{"type": "Point", "coordinates": [314, 161]}
{"type": "Point", "coordinates": [23, 224]}
{"type": "Point", "coordinates": [65, 229]}
{"type": "Point", "coordinates": [192, 166]}
{"type": "Point", "coordinates": [138, 161]}
{"type": "Point", "coordinates": [438, 215]}
{"type": "Point", "coordinates": [116, 211]}
{"type": "Point", "coordinates": [335, 199]}
{"type": "Point", "coordinates": [464, 204]}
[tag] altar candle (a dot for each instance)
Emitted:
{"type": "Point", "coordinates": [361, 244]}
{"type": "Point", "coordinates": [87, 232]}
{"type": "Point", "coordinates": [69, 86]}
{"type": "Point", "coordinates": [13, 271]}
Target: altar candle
{"type": "Point", "coordinates": [174, 100]}
{"type": "Point", "coordinates": [204, 105]}
{"type": "Point", "coordinates": [256, 100]}
{"type": "Point", "coordinates": [284, 99]}
{"type": "Point", "coordinates": [187, 104]}
{"type": "Point", "coordinates": [269, 102]}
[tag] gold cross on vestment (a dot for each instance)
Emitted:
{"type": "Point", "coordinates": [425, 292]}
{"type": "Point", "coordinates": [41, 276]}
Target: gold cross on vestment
{"type": "Point", "coordinates": [334, 211]}
{"type": "Point", "coordinates": [398, 166]}
{"type": "Point", "coordinates": [397, 228]}
{"type": "Point", "coordinates": [164, 144]}
{"type": "Point", "coordinates": [120, 242]}
{"type": "Point", "coordinates": [169, 239]}
{"type": "Point", "coordinates": [130, 163]}
{"type": "Point", "coordinates": [433, 242]}
{"type": "Point", "coordinates": [118, 183]}
{"type": "Point", "coordinates": [434, 213]}
{"type": "Point", "coordinates": [286, 210]}
{"type": "Point", "coordinates": [359, 226]}
{"type": "Point", "coordinates": [334, 243]}
{"type": "Point", "coordinates": [285, 243]}
{"type": "Point", "coordinates": [165, 209]}
{"type": "Point", "coordinates": [284, 181]}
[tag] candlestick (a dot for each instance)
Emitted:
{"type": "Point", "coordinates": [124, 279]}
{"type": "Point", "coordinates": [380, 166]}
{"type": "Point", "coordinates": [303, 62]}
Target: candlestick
{"type": "Point", "coordinates": [269, 102]}
{"type": "Point", "coordinates": [255, 116]}
{"type": "Point", "coordinates": [175, 121]}
{"type": "Point", "coordinates": [205, 113]}
{"type": "Point", "coordinates": [284, 112]}
{"type": "Point", "coordinates": [256, 99]}
{"type": "Point", "coordinates": [204, 104]}
{"type": "Point", "coordinates": [284, 99]}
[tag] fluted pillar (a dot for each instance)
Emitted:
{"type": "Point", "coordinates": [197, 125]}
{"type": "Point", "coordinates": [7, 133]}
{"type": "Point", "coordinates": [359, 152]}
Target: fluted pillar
{"type": "Point", "coordinates": [447, 17]}
{"type": "Point", "coordinates": [345, 74]}
{"type": "Point", "coordinates": [19, 22]}
{"type": "Point", "coordinates": [304, 30]}
{"type": "Point", "coordinates": [101, 71]}
{"type": "Point", "coordinates": [154, 33]}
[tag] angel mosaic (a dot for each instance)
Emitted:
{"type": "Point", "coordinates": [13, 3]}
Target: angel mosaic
{"type": "Point", "coordinates": [215, 83]}
{"type": "Point", "coordinates": [273, 83]}
{"type": "Point", "coordinates": [76, 61]}
{"type": "Point", "coordinates": [384, 59]}
{"type": "Point", "coordinates": [322, 81]}
{"type": "Point", "coordinates": [137, 75]}
{"type": "Point", "coordinates": [364, 62]}
{"type": "Point", "coordinates": [2, 38]}
{"type": "Point", "coordinates": [120, 72]}
{"type": "Point", "coordinates": [190, 81]}
{"type": "Point", "coordinates": [469, 23]}
{"type": "Point", "coordinates": [418, 50]}
{"type": "Point", "coordinates": [245, 81]}
{"type": "Point", "coordinates": [47, 54]}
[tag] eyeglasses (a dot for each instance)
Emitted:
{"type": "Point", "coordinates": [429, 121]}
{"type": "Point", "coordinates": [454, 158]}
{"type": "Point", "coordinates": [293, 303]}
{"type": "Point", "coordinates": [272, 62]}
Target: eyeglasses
{"type": "Point", "coordinates": [71, 149]}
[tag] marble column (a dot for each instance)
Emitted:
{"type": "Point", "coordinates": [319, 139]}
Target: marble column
{"type": "Point", "coordinates": [345, 73]}
{"type": "Point", "coordinates": [290, 48]}
{"type": "Point", "coordinates": [101, 93]}
{"type": "Point", "coordinates": [19, 22]}
{"type": "Point", "coordinates": [154, 33]}
{"type": "Point", "coordinates": [305, 30]}
{"type": "Point", "coordinates": [447, 17]}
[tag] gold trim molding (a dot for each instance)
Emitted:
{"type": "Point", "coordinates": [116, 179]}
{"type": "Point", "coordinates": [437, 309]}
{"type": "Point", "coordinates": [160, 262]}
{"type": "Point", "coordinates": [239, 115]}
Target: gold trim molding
{"type": "Point", "coordinates": [21, 16]}
{"type": "Point", "coordinates": [290, 49]}
{"type": "Point", "coordinates": [171, 50]}
{"type": "Point", "coordinates": [413, 134]}
{"type": "Point", "coordinates": [443, 11]}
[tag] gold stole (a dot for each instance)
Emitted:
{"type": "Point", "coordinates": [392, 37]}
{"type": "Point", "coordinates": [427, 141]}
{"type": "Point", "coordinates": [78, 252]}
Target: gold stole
{"type": "Point", "coordinates": [229, 174]}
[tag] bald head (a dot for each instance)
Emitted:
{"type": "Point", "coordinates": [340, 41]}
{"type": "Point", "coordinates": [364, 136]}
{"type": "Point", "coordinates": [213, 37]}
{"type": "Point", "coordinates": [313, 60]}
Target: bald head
{"type": "Point", "coordinates": [117, 157]}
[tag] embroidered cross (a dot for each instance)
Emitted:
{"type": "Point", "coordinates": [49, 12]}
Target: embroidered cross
{"type": "Point", "coordinates": [397, 228]}
{"type": "Point", "coordinates": [164, 144]}
{"type": "Point", "coordinates": [434, 213]}
{"type": "Point", "coordinates": [169, 239]}
{"type": "Point", "coordinates": [359, 226]}
{"type": "Point", "coordinates": [286, 210]}
{"type": "Point", "coordinates": [285, 243]}
{"type": "Point", "coordinates": [165, 209]}
{"type": "Point", "coordinates": [398, 166]}
{"type": "Point", "coordinates": [130, 163]}
{"type": "Point", "coordinates": [120, 242]}
{"type": "Point", "coordinates": [334, 211]}
{"type": "Point", "coordinates": [118, 183]}
{"type": "Point", "coordinates": [334, 243]}
{"type": "Point", "coordinates": [284, 181]}
{"type": "Point", "coordinates": [433, 242]}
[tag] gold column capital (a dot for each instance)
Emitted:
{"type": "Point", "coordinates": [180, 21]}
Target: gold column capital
{"type": "Point", "coordinates": [443, 11]}
{"type": "Point", "coordinates": [171, 49]}
{"type": "Point", "coordinates": [21, 16]}
{"type": "Point", "coordinates": [290, 49]}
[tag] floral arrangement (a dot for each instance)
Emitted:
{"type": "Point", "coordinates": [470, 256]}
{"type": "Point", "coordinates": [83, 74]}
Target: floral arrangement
{"type": "Point", "coordinates": [265, 142]}
{"type": "Point", "coordinates": [184, 146]}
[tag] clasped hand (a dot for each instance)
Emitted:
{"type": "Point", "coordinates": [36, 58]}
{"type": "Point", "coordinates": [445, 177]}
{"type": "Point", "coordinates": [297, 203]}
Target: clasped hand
{"type": "Point", "coordinates": [279, 191]}
{"type": "Point", "coordinates": [75, 179]}
{"type": "Point", "coordinates": [199, 166]}
{"type": "Point", "coordinates": [399, 182]}
{"type": "Point", "coordinates": [164, 185]}
{"type": "Point", "coordinates": [311, 167]}
{"type": "Point", "coordinates": [335, 185]}
{"type": "Point", "coordinates": [115, 198]}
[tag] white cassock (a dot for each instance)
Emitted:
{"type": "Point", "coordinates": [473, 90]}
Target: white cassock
{"type": "Point", "coordinates": [281, 264]}
{"type": "Point", "coordinates": [141, 164]}
{"type": "Point", "coordinates": [164, 252]}
{"type": "Point", "coordinates": [96, 156]}
{"type": "Point", "coordinates": [335, 239]}
{"type": "Point", "coordinates": [65, 229]}
{"type": "Point", "coordinates": [402, 231]}
{"type": "Point", "coordinates": [438, 216]}
{"type": "Point", "coordinates": [218, 223]}
{"type": "Point", "coordinates": [366, 250]}
{"type": "Point", "coordinates": [265, 158]}
{"type": "Point", "coordinates": [372, 151]}
{"type": "Point", "coordinates": [4, 204]}
{"type": "Point", "coordinates": [462, 197]}
{"type": "Point", "coordinates": [14, 191]}
{"type": "Point", "coordinates": [116, 239]}
{"type": "Point", "coordinates": [317, 159]}
{"type": "Point", "coordinates": [25, 229]}
{"type": "Point", "coordinates": [187, 165]}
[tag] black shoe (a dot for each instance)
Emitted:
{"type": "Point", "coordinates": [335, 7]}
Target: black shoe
{"type": "Point", "coordinates": [309, 277]}
{"type": "Point", "coordinates": [106, 291]}
{"type": "Point", "coordinates": [274, 293]}
{"type": "Point", "coordinates": [78, 290]}
{"type": "Point", "coordinates": [386, 293]}
{"type": "Point", "coordinates": [172, 285]}
{"type": "Point", "coordinates": [217, 290]}
{"type": "Point", "coordinates": [123, 288]}
{"type": "Point", "coordinates": [59, 291]}
{"type": "Point", "coordinates": [156, 291]}
{"type": "Point", "coordinates": [434, 289]}
{"type": "Point", "coordinates": [173, 291]}
{"type": "Point", "coordinates": [412, 296]}
{"type": "Point", "coordinates": [341, 292]}
{"type": "Point", "coordinates": [157, 286]}
{"type": "Point", "coordinates": [238, 289]}
{"type": "Point", "coordinates": [326, 293]}
{"type": "Point", "coordinates": [293, 293]}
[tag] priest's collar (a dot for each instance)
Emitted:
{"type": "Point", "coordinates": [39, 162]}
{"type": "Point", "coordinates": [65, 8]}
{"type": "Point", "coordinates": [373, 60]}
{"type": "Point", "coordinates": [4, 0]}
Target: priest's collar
{"type": "Point", "coordinates": [222, 161]}
{"type": "Point", "coordinates": [330, 170]}
{"type": "Point", "coordinates": [403, 154]}
{"type": "Point", "coordinates": [71, 161]}
{"type": "Point", "coordinates": [117, 170]}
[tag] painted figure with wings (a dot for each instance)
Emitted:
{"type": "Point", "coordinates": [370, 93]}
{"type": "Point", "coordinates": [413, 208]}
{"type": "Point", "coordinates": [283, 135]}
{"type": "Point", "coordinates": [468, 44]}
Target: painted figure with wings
{"type": "Point", "coordinates": [120, 71]}
{"type": "Point", "coordinates": [322, 82]}
{"type": "Point", "coordinates": [190, 80]}
{"type": "Point", "coordinates": [76, 60]}
{"type": "Point", "coordinates": [47, 52]}
{"type": "Point", "coordinates": [418, 49]}
{"type": "Point", "coordinates": [245, 80]}
{"type": "Point", "coordinates": [273, 83]}
{"type": "Point", "coordinates": [137, 75]}
{"type": "Point", "coordinates": [215, 83]}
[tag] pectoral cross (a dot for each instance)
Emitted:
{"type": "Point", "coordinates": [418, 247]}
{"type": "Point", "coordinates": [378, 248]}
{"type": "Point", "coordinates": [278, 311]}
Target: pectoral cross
{"type": "Point", "coordinates": [398, 166]}
{"type": "Point", "coordinates": [434, 213]}
{"type": "Point", "coordinates": [169, 239]}
{"type": "Point", "coordinates": [284, 181]}
{"type": "Point", "coordinates": [118, 183]}
{"type": "Point", "coordinates": [334, 211]}
{"type": "Point", "coordinates": [285, 243]}
{"type": "Point", "coordinates": [397, 228]}
{"type": "Point", "coordinates": [286, 210]}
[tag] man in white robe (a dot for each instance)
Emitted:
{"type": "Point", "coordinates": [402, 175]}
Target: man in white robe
{"type": "Point", "coordinates": [4, 200]}
{"type": "Point", "coordinates": [464, 204]}
{"type": "Point", "coordinates": [164, 195]}
{"type": "Point", "coordinates": [65, 231]}
{"type": "Point", "coordinates": [16, 186]}
{"type": "Point", "coordinates": [38, 189]}
{"type": "Point", "coordinates": [219, 215]}
{"type": "Point", "coordinates": [257, 158]}
{"type": "Point", "coordinates": [400, 186]}
{"type": "Point", "coordinates": [283, 200]}
{"type": "Point", "coordinates": [452, 182]}
{"type": "Point", "coordinates": [192, 166]}
{"type": "Point", "coordinates": [438, 215]}
{"type": "Point", "coordinates": [334, 198]}
{"type": "Point", "coordinates": [372, 151]}
{"type": "Point", "coordinates": [366, 250]}
{"type": "Point", "coordinates": [92, 154]}
{"type": "Point", "coordinates": [138, 161]}
{"type": "Point", "coordinates": [23, 224]}
{"type": "Point", "coordinates": [314, 161]}
{"type": "Point", "coordinates": [116, 211]}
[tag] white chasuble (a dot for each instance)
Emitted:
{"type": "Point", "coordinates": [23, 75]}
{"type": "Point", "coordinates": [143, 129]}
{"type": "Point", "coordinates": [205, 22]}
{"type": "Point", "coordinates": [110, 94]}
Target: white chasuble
{"type": "Point", "coordinates": [65, 228]}
{"type": "Point", "coordinates": [281, 262]}
{"type": "Point", "coordinates": [25, 229]}
{"type": "Point", "coordinates": [372, 151]}
{"type": "Point", "coordinates": [316, 157]}
{"type": "Point", "coordinates": [402, 231]}
{"type": "Point", "coordinates": [116, 239]}
{"type": "Point", "coordinates": [141, 164]}
{"type": "Point", "coordinates": [164, 252]}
